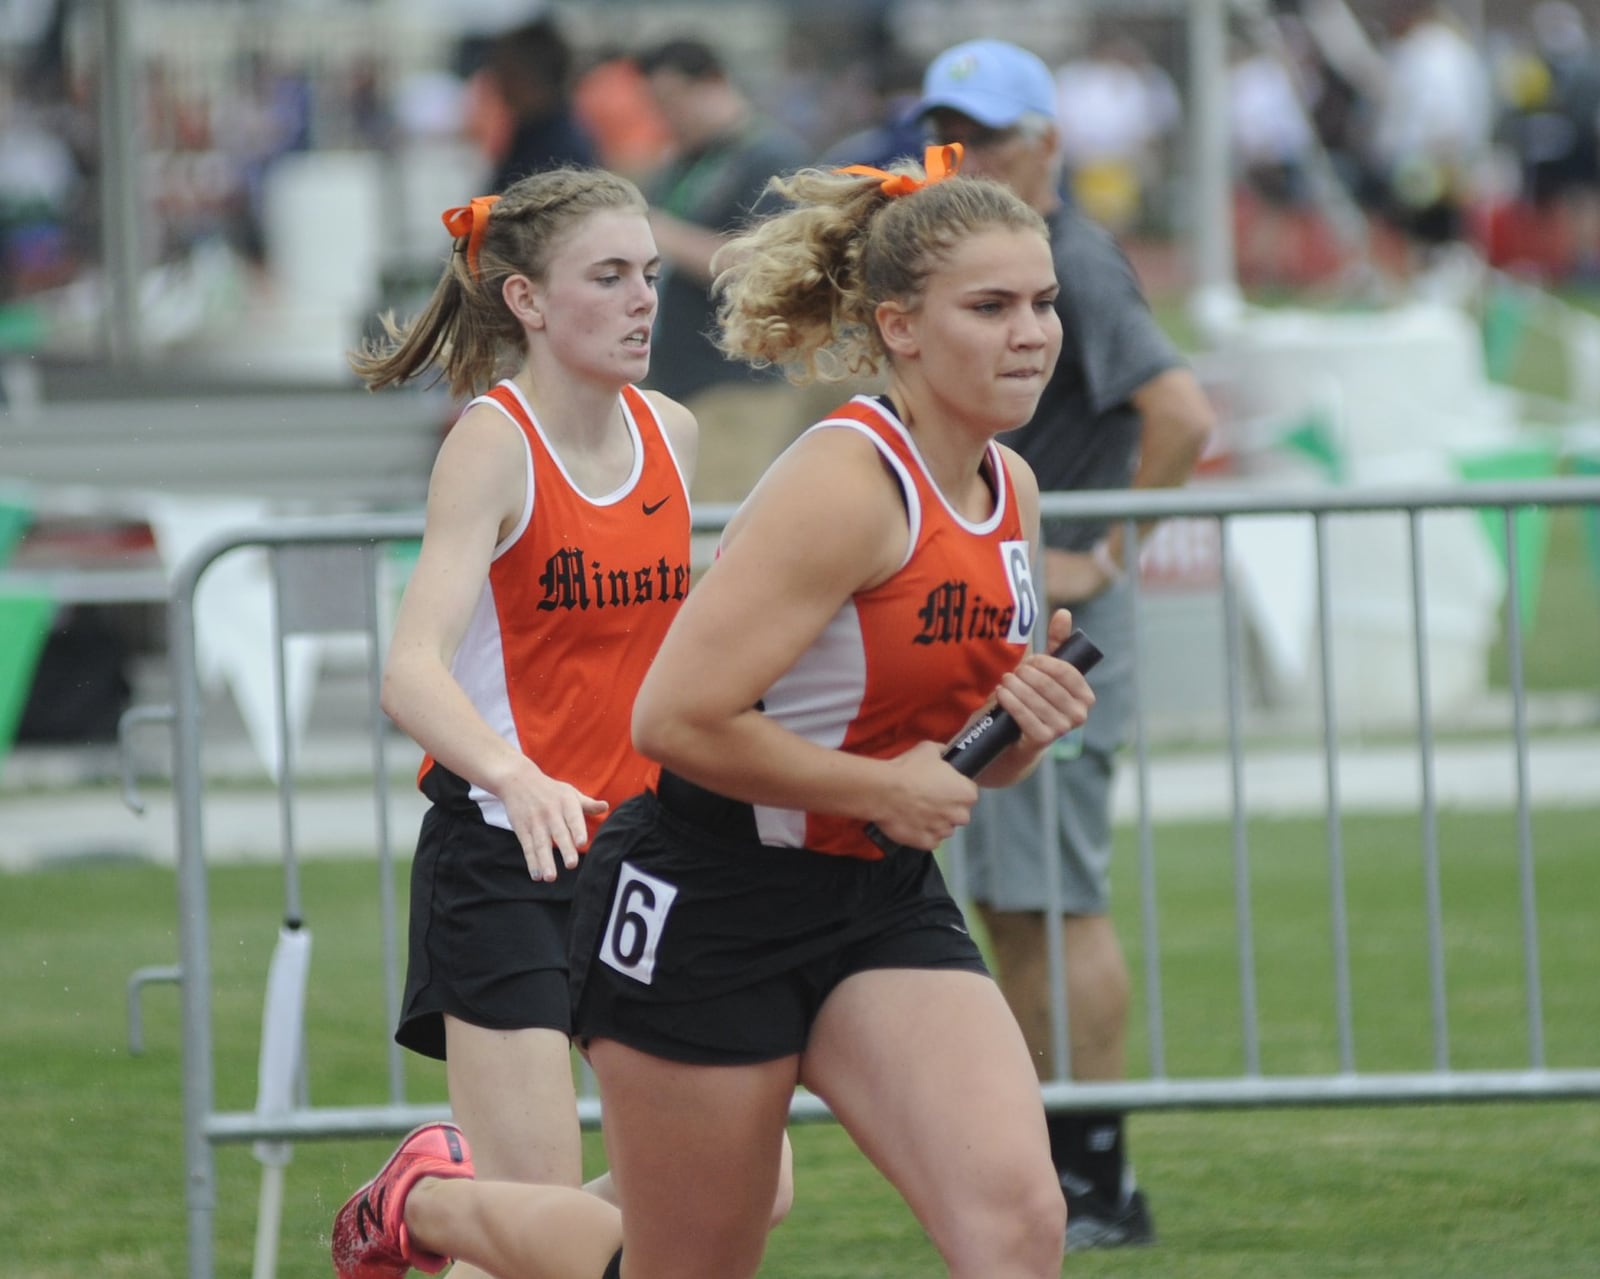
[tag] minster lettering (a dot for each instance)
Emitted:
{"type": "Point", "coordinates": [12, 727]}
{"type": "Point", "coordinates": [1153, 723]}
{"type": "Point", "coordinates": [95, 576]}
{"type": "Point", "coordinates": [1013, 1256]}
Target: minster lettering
{"type": "Point", "coordinates": [572, 581]}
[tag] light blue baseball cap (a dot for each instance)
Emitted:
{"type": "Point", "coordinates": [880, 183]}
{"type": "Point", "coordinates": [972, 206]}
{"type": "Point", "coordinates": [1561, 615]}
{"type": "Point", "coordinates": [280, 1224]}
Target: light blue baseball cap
{"type": "Point", "coordinates": [991, 81]}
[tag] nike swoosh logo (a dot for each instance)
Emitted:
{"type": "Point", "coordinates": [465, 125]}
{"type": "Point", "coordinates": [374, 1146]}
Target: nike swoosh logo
{"type": "Point", "coordinates": [652, 508]}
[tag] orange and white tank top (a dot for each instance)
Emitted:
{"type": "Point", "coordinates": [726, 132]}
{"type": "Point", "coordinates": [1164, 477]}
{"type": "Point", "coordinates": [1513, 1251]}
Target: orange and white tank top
{"type": "Point", "coordinates": [908, 660]}
{"type": "Point", "coordinates": [578, 599]}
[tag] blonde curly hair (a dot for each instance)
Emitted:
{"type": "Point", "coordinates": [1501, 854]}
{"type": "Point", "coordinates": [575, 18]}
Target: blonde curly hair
{"type": "Point", "coordinates": [800, 289]}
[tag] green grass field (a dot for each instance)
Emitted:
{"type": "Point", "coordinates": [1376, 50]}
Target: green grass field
{"type": "Point", "coordinates": [92, 1182]}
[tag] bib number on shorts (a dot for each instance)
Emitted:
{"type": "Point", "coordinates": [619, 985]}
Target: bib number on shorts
{"type": "Point", "coordinates": [638, 916]}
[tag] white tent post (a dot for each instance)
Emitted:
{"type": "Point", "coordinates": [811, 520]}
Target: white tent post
{"type": "Point", "coordinates": [278, 1076]}
{"type": "Point", "coordinates": [120, 202]}
{"type": "Point", "coordinates": [1216, 301]}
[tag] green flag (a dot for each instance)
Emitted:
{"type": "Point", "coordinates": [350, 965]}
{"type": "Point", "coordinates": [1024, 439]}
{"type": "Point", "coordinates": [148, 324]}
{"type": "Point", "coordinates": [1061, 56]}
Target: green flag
{"type": "Point", "coordinates": [24, 625]}
{"type": "Point", "coordinates": [1532, 523]}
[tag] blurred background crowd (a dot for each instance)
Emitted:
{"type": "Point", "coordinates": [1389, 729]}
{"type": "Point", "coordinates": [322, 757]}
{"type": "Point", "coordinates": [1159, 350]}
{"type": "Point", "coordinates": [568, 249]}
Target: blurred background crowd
{"type": "Point", "coordinates": [204, 204]}
{"type": "Point", "coordinates": [266, 130]}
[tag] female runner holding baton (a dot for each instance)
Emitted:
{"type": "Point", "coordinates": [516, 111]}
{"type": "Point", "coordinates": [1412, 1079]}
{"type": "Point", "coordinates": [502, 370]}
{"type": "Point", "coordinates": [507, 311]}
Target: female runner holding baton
{"type": "Point", "coordinates": [739, 934]}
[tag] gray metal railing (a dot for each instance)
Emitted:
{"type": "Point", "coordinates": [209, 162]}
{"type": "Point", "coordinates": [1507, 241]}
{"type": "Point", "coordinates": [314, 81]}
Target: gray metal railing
{"type": "Point", "coordinates": [1252, 1087]}
{"type": "Point", "coordinates": [325, 573]}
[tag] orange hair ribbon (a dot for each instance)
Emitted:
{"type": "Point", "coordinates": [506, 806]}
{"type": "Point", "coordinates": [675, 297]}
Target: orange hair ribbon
{"type": "Point", "coordinates": [470, 220]}
{"type": "Point", "coordinates": [940, 162]}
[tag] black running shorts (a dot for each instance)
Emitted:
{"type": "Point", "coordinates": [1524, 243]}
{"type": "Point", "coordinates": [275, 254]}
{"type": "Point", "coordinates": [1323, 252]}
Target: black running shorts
{"type": "Point", "coordinates": [697, 948]}
{"type": "Point", "coordinates": [488, 942]}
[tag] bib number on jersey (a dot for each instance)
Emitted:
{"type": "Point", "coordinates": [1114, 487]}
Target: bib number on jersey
{"type": "Point", "coordinates": [1024, 602]}
{"type": "Point", "coordinates": [639, 909]}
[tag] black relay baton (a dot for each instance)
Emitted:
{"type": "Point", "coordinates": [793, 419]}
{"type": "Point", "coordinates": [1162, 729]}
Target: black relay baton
{"type": "Point", "coordinates": [981, 744]}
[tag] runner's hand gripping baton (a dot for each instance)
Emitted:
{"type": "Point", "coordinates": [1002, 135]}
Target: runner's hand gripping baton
{"type": "Point", "coordinates": [981, 744]}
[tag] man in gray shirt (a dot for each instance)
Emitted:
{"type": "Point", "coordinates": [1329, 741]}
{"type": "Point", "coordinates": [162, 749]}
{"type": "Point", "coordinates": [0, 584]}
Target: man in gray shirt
{"type": "Point", "coordinates": [727, 152]}
{"type": "Point", "coordinates": [1121, 410]}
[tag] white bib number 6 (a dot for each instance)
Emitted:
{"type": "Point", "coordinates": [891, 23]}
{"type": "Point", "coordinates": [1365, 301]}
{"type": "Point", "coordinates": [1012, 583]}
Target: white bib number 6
{"type": "Point", "coordinates": [638, 915]}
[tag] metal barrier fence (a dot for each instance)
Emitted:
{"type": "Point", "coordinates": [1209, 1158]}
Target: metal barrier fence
{"type": "Point", "coordinates": [326, 576]}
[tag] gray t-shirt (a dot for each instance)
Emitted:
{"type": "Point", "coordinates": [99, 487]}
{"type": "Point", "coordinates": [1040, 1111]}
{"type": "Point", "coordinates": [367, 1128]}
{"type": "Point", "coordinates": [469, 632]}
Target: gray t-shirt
{"type": "Point", "coordinates": [1085, 433]}
{"type": "Point", "coordinates": [717, 187]}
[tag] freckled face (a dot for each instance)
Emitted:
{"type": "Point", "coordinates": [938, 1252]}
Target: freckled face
{"type": "Point", "coordinates": [986, 335]}
{"type": "Point", "coordinates": [598, 297]}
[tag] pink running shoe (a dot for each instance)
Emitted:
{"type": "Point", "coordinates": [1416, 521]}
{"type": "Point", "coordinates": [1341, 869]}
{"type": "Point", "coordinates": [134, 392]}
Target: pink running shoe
{"type": "Point", "coordinates": [370, 1240]}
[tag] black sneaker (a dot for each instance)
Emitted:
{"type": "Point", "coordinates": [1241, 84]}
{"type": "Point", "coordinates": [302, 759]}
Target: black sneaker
{"type": "Point", "coordinates": [1093, 1221]}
